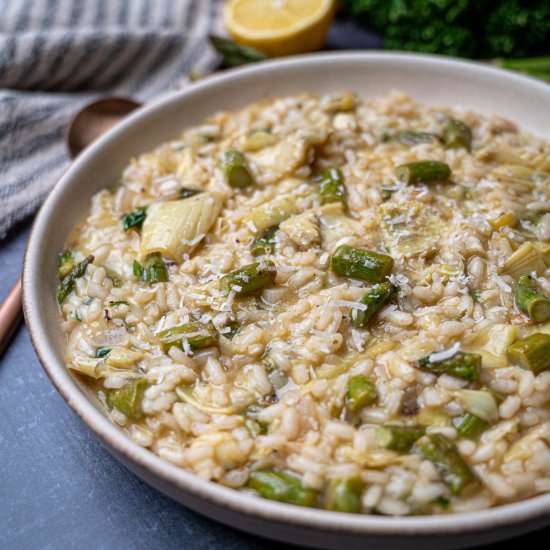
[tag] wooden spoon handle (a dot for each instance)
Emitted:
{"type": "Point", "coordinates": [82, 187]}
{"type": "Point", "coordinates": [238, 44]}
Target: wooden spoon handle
{"type": "Point", "coordinates": [10, 315]}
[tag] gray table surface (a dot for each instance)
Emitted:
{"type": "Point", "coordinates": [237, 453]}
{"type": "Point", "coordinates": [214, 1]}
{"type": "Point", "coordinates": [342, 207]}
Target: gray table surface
{"type": "Point", "coordinates": [59, 488]}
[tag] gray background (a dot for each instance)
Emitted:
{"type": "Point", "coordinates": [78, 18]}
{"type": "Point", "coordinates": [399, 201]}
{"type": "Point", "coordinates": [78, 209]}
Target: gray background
{"type": "Point", "coordinates": [59, 488]}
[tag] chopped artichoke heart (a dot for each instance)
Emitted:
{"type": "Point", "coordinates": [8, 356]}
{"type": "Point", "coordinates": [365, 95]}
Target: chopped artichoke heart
{"type": "Point", "coordinates": [286, 156]}
{"type": "Point", "coordinates": [410, 229]}
{"type": "Point", "coordinates": [88, 366]}
{"type": "Point", "coordinates": [498, 338]}
{"type": "Point", "coordinates": [257, 140]}
{"type": "Point", "coordinates": [121, 357]}
{"type": "Point", "coordinates": [303, 229]}
{"type": "Point", "coordinates": [187, 395]}
{"type": "Point", "coordinates": [273, 212]}
{"type": "Point", "coordinates": [334, 224]}
{"type": "Point", "coordinates": [479, 403]}
{"type": "Point", "coordinates": [524, 261]}
{"type": "Point", "coordinates": [175, 228]}
{"type": "Point", "coordinates": [522, 449]}
{"type": "Point", "coordinates": [516, 174]}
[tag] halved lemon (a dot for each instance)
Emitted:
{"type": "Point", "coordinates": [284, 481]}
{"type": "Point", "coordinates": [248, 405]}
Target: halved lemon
{"type": "Point", "coordinates": [279, 27]}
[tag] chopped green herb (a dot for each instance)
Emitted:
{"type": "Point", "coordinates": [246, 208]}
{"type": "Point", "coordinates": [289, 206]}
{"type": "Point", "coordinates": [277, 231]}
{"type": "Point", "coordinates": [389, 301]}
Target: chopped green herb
{"type": "Point", "coordinates": [102, 351]}
{"type": "Point", "coordinates": [118, 303]}
{"type": "Point", "coordinates": [134, 220]}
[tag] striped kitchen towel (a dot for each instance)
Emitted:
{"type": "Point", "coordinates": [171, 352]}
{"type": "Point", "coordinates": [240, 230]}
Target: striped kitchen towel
{"type": "Point", "coordinates": [56, 55]}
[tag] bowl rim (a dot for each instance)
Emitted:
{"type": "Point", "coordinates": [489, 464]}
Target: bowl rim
{"type": "Point", "coordinates": [464, 522]}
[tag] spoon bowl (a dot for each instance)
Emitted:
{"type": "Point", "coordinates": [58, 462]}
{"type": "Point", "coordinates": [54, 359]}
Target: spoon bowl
{"type": "Point", "coordinates": [94, 120]}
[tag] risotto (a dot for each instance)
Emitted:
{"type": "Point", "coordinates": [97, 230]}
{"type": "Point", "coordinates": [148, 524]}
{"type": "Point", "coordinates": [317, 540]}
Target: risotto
{"type": "Point", "coordinates": [329, 301]}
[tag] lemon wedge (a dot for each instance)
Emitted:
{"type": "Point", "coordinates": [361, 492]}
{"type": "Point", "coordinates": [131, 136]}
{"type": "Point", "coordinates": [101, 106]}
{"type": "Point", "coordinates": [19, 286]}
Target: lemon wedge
{"type": "Point", "coordinates": [279, 27]}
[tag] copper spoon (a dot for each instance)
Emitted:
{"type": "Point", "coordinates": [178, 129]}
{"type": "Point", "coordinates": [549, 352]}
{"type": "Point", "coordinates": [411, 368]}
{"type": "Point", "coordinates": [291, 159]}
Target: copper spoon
{"type": "Point", "coordinates": [86, 126]}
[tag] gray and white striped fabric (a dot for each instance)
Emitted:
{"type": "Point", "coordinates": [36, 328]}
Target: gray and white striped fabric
{"type": "Point", "coordinates": [56, 55]}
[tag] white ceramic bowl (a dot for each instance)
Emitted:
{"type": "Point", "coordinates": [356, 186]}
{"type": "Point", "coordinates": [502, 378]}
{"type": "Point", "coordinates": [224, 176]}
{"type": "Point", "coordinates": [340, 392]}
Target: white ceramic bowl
{"type": "Point", "coordinates": [434, 80]}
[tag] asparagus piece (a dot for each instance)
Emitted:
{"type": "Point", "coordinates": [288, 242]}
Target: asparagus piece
{"type": "Point", "coordinates": [137, 270]}
{"type": "Point", "coordinates": [423, 171]}
{"type": "Point", "coordinates": [198, 336]}
{"type": "Point", "coordinates": [135, 219]}
{"type": "Point", "coordinates": [275, 485]}
{"type": "Point", "coordinates": [466, 366]}
{"type": "Point", "coordinates": [235, 169]}
{"type": "Point", "coordinates": [361, 393]}
{"type": "Point", "coordinates": [344, 495]}
{"type": "Point", "coordinates": [332, 188]}
{"type": "Point", "coordinates": [470, 426]}
{"type": "Point", "coordinates": [532, 352]}
{"type": "Point", "coordinates": [358, 263]}
{"type": "Point", "coordinates": [454, 471]}
{"type": "Point", "coordinates": [128, 398]}
{"type": "Point", "coordinates": [65, 262]}
{"type": "Point", "coordinates": [67, 284]}
{"type": "Point", "coordinates": [530, 300]}
{"type": "Point", "coordinates": [398, 438]}
{"type": "Point", "coordinates": [374, 299]}
{"type": "Point", "coordinates": [234, 54]}
{"type": "Point", "coordinates": [456, 135]}
{"type": "Point", "coordinates": [409, 137]}
{"type": "Point", "coordinates": [265, 243]}
{"type": "Point", "coordinates": [250, 278]}
{"type": "Point", "coordinates": [154, 270]}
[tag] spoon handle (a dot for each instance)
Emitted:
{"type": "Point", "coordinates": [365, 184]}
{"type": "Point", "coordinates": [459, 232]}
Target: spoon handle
{"type": "Point", "coordinates": [10, 315]}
